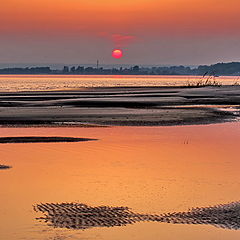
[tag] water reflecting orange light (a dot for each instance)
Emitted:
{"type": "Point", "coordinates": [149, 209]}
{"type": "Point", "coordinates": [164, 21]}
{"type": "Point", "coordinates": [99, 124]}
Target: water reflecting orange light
{"type": "Point", "coordinates": [149, 169]}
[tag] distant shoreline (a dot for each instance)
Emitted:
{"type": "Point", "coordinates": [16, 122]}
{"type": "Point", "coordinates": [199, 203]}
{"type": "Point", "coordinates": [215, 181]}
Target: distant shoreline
{"type": "Point", "coordinates": [215, 70]}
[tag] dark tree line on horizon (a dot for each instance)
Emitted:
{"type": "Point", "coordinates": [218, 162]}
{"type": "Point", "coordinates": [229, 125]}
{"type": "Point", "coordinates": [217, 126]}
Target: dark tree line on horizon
{"type": "Point", "coordinates": [219, 69]}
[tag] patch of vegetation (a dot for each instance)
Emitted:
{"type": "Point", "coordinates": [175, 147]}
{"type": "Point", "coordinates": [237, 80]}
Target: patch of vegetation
{"type": "Point", "coordinates": [205, 82]}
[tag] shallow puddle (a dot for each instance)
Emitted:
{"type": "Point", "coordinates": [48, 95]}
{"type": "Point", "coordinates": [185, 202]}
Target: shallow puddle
{"type": "Point", "coordinates": [151, 170]}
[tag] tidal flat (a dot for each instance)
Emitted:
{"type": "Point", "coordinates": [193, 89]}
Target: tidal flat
{"type": "Point", "coordinates": [37, 139]}
{"type": "Point", "coordinates": [150, 171]}
{"type": "Point", "coordinates": [121, 106]}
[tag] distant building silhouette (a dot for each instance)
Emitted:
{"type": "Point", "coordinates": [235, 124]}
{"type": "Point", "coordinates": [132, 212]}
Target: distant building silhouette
{"type": "Point", "coordinates": [219, 69]}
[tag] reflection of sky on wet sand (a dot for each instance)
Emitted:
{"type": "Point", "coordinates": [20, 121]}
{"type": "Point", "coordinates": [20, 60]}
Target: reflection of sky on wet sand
{"type": "Point", "coordinates": [151, 170]}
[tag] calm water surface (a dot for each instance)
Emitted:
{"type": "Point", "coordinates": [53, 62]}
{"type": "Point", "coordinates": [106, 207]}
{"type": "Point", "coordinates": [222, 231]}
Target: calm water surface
{"type": "Point", "coordinates": [60, 82]}
{"type": "Point", "coordinates": [149, 169]}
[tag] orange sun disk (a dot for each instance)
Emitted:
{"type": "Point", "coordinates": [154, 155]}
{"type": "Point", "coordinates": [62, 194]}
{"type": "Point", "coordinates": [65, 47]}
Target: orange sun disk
{"type": "Point", "coordinates": [117, 53]}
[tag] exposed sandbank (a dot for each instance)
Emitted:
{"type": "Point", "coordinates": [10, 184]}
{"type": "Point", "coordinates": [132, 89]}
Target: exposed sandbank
{"type": "Point", "coordinates": [4, 167]}
{"type": "Point", "coordinates": [127, 106]}
{"type": "Point", "coordinates": [41, 139]}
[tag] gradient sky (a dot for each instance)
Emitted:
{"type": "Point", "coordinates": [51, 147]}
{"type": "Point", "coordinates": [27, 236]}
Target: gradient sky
{"type": "Point", "coordinates": [186, 32]}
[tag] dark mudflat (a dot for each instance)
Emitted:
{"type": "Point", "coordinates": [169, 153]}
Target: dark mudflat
{"type": "Point", "coordinates": [41, 139]}
{"type": "Point", "coordinates": [129, 106]}
{"type": "Point", "coordinates": [3, 167]}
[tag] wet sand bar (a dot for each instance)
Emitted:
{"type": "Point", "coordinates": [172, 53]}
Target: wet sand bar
{"type": "Point", "coordinates": [127, 106]}
{"type": "Point", "coordinates": [35, 139]}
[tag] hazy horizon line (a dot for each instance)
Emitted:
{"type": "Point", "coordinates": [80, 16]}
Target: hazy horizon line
{"type": "Point", "coordinates": [12, 65]}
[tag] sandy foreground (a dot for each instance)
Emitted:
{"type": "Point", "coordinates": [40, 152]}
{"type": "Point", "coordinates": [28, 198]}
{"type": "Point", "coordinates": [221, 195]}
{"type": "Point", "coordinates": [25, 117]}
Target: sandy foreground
{"type": "Point", "coordinates": [117, 106]}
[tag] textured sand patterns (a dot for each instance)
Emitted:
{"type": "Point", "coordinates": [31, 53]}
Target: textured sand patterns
{"type": "Point", "coordinates": [81, 216]}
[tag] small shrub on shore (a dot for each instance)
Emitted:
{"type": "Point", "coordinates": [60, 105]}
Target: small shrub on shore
{"type": "Point", "coordinates": [205, 82]}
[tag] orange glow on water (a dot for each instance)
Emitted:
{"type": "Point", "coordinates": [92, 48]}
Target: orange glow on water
{"type": "Point", "coordinates": [149, 169]}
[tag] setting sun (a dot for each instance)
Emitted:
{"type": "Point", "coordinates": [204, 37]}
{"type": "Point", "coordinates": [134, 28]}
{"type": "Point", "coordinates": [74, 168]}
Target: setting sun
{"type": "Point", "coordinates": [117, 53]}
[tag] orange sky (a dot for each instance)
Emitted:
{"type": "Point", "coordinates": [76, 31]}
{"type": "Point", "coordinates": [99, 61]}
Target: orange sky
{"type": "Point", "coordinates": [125, 17]}
{"type": "Point", "coordinates": [140, 19]}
